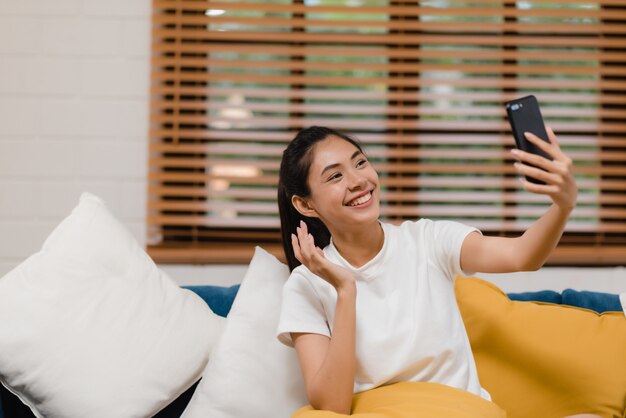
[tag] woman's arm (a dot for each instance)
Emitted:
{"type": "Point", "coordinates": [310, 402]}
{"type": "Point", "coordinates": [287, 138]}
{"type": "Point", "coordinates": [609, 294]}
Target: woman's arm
{"type": "Point", "coordinates": [532, 249]}
{"type": "Point", "coordinates": [328, 364]}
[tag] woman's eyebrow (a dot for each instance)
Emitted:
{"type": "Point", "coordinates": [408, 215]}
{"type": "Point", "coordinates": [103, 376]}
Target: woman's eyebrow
{"type": "Point", "coordinates": [331, 166]}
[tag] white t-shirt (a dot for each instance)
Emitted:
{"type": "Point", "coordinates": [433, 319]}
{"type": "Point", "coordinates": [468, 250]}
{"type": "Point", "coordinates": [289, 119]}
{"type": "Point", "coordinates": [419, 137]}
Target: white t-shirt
{"type": "Point", "coordinates": [408, 325]}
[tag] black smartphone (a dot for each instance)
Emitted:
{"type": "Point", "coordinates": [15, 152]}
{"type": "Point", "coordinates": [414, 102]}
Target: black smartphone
{"type": "Point", "coordinates": [525, 116]}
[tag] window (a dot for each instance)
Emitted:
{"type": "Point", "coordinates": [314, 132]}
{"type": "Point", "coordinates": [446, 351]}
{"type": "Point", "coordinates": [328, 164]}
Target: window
{"type": "Point", "coordinates": [421, 84]}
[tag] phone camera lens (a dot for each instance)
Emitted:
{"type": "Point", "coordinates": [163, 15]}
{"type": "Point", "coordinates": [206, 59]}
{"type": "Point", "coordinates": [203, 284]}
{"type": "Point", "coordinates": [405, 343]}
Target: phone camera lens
{"type": "Point", "coordinates": [515, 106]}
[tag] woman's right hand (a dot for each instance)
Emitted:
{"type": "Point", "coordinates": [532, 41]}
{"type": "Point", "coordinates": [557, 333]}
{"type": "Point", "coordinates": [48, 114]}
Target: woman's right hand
{"type": "Point", "coordinates": [313, 258]}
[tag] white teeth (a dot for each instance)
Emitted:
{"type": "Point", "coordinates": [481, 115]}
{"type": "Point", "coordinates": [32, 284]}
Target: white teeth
{"type": "Point", "coordinates": [361, 200]}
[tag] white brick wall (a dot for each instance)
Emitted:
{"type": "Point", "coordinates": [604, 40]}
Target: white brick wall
{"type": "Point", "coordinates": [20, 34]}
{"type": "Point", "coordinates": [74, 79]}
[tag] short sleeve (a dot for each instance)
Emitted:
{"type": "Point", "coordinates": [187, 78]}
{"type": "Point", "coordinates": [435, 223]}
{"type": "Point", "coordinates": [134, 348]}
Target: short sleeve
{"type": "Point", "coordinates": [301, 310]}
{"type": "Point", "coordinates": [448, 239]}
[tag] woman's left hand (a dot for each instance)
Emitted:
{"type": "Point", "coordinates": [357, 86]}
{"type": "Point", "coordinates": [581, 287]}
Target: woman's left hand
{"type": "Point", "coordinates": [558, 174]}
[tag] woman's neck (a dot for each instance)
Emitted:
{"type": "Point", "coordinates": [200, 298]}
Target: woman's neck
{"type": "Point", "coordinates": [359, 246]}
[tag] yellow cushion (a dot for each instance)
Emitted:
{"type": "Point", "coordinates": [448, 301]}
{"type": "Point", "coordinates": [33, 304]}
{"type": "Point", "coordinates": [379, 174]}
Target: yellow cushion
{"type": "Point", "coordinates": [413, 400]}
{"type": "Point", "coordinates": [545, 360]}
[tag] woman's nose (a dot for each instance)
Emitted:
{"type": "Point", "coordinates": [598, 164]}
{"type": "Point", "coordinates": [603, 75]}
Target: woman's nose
{"type": "Point", "coordinates": [357, 181]}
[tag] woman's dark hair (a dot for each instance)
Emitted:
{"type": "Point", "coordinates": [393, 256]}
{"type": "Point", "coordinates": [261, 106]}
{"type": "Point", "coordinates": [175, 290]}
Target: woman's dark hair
{"type": "Point", "coordinates": [294, 173]}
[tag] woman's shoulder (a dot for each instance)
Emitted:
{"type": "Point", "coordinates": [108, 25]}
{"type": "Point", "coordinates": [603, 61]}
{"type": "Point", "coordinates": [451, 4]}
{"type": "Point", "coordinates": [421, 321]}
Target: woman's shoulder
{"type": "Point", "coordinates": [302, 277]}
{"type": "Point", "coordinates": [425, 228]}
{"type": "Point", "coordinates": [302, 284]}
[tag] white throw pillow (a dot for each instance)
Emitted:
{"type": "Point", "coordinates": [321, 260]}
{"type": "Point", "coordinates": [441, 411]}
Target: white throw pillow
{"type": "Point", "coordinates": [250, 373]}
{"type": "Point", "coordinates": [90, 327]}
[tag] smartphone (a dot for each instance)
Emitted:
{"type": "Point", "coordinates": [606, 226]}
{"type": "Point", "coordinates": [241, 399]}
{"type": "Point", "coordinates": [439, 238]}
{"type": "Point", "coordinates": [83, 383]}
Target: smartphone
{"type": "Point", "coordinates": [525, 116]}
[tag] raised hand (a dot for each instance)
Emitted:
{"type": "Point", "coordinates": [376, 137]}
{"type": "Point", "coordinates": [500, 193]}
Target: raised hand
{"type": "Point", "coordinates": [558, 174]}
{"type": "Point", "coordinates": [313, 258]}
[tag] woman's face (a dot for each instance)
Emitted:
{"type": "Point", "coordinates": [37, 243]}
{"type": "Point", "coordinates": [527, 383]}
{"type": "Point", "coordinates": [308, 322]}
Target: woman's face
{"type": "Point", "coordinates": [344, 185]}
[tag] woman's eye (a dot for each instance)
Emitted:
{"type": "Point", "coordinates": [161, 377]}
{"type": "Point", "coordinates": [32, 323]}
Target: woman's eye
{"type": "Point", "coordinates": [361, 162]}
{"type": "Point", "coordinates": [335, 176]}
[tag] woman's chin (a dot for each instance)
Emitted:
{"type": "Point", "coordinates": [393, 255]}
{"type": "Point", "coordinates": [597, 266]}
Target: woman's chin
{"type": "Point", "coordinates": [365, 214]}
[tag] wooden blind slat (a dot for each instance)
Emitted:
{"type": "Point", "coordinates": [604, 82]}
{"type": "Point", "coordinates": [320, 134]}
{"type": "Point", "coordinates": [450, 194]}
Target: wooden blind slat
{"type": "Point", "coordinates": [396, 10]}
{"type": "Point", "coordinates": [374, 67]}
{"type": "Point", "coordinates": [398, 138]}
{"type": "Point", "coordinates": [469, 217]}
{"type": "Point", "coordinates": [356, 124]}
{"type": "Point", "coordinates": [425, 109]}
{"type": "Point", "coordinates": [255, 194]}
{"type": "Point", "coordinates": [585, 3]}
{"type": "Point", "coordinates": [187, 51]}
{"type": "Point", "coordinates": [416, 169]}
{"type": "Point", "coordinates": [404, 40]}
{"type": "Point", "coordinates": [579, 97]}
{"type": "Point", "coordinates": [452, 80]}
{"type": "Point", "coordinates": [219, 58]}
{"type": "Point", "coordinates": [493, 152]}
{"type": "Point", "coordinates": [338, 24]}
{"type": "Point", "coordinates": [228, 253]}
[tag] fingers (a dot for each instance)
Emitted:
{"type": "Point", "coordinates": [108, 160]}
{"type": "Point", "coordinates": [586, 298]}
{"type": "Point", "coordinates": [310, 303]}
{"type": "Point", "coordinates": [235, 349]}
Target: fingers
{"type": "Point", "coordinates": [557, 174]}
{"type": "Point", "coordinates": [550, 171]}
{"type": "Point", "coordinates": [551, 148]}
{"type": "Point", "coordinates": [541, 144]}
{"type": "Point", "coordinates": [296, 247]}
{"type": "Point", "coordinates": [305, 244]}
{"type": "Point", "coordinates": [532, 159]}
{"type": "Point", "coordinates": [302, 234]}
{"type": "Point", "coordinates": [552, 136]}
{"type": "Point", "coordinates": [539, 188]}
{"type": "Point", "coordinates": [539, 174]}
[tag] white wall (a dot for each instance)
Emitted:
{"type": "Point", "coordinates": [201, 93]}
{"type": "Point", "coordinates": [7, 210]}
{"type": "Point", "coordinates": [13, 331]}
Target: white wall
{"type": "Point", "coordinates": [74, 80]}
{"type": "Point", "coordinates": [74, 91]}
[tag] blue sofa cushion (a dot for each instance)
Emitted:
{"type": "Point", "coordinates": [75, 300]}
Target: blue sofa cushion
{"type": "Point", "coordinates": [541, 296]}
{"type": "Point", "coordinates": [219, 298]}
{"type": "Point", "coordinates": [596, 301]}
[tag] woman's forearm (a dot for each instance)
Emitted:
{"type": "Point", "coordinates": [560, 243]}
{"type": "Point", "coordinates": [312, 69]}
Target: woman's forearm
{"type": "Point", "coordinates": [536, 244]}
{"type": "Point", "coordinates": [332, 386]}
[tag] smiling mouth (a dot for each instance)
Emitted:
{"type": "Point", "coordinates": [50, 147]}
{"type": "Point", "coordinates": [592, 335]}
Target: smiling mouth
{"type": "Point", "coordinates": [361, 200]}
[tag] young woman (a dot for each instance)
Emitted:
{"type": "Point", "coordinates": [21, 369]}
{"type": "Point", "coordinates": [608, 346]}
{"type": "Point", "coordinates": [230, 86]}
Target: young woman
{"type": "Point", "coordinates": [370, 303]}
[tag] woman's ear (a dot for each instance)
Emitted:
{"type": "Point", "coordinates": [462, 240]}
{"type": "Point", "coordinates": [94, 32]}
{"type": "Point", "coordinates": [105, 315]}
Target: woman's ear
{"type": "Point", "coordinates": [303, 206]}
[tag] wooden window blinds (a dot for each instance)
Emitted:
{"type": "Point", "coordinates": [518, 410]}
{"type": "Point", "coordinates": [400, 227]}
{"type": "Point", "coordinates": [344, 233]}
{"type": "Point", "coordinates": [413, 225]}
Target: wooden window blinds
{"type": "Point", "coordinates": [421, 84]}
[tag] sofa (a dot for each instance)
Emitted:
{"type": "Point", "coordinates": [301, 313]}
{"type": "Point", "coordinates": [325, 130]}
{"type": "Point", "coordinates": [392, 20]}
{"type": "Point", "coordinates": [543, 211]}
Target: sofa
{"type": "Point", "coordinates": [91, 326]}
{"type": "Point", "coordinates": [220, 300]}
